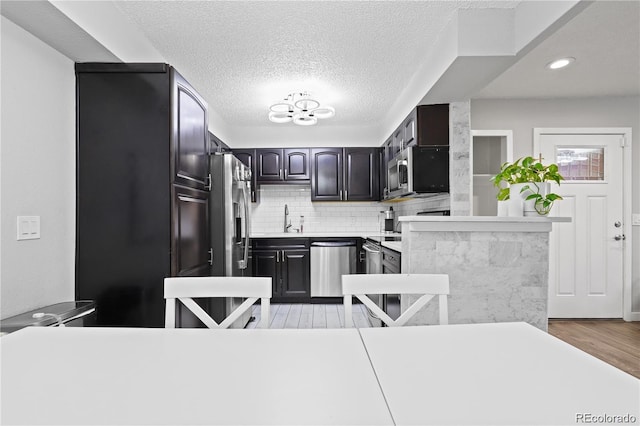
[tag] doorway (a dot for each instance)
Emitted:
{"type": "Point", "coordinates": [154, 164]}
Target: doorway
{"type": "Point", "coordinates": [589, 259]}
{"type": "Point", "coordinates": [489, 150]}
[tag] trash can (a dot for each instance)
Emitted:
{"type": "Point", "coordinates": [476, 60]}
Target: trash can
{"type": "Point", "coordinates": [79, 313]}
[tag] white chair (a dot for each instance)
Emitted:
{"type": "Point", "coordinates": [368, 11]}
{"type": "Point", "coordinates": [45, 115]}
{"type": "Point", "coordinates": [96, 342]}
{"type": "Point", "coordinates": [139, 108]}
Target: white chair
{"type": "Point", "coordinates": [186, 288]}
{"type": "Point", "coordinates": [428, 285]}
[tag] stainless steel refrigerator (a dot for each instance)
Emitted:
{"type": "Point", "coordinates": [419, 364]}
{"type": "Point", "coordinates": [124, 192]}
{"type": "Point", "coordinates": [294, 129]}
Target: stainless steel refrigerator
{"type": "Point", "coordinates": [230, 227]}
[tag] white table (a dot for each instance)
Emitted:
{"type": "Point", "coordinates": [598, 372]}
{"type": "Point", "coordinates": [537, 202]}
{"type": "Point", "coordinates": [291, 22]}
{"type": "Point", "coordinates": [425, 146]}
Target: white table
{"type": "Point", "coordinates": [182, 376]}
{"type": "Point", "coordinates": [490, 374]}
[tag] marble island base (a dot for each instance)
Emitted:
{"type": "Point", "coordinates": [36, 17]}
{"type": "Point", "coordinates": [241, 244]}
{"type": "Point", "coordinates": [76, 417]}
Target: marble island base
{"type": "Point", "coordinates": [498, 267]}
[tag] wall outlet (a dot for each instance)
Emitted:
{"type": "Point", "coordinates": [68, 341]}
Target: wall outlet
{"type": "Point", "coordinates": [635, 219]}
{"type": "Point", "coordinates": [28, 227]}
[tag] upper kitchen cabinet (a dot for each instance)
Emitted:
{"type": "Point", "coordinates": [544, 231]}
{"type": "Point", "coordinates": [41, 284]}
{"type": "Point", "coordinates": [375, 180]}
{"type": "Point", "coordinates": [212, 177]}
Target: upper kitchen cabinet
{"type": "Point", "coordinates": [326, 174]}
{"type": "Point", "coordinates": [361, 174]}
{"type": "Point", "coordinates": [189, 134]}
{"type": "Point", "coordinates": [296, 164]}
{"type": "Point", "coordinates": [432, 124]}
{"type": "Point", "coordinates": [276, 165]}
{"type": "Point", "coordinates": [141, 183]}
{"type": "Point", "coordinates": [349, 174]}
{"type": "Point", "coordinates": [248, 158]}
{"type": "Point", "coordinates": [426, 125]}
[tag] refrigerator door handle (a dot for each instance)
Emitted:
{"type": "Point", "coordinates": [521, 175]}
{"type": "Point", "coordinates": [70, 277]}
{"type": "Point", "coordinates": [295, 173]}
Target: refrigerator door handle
{"type": "Point", "coordinates": [247, 226]}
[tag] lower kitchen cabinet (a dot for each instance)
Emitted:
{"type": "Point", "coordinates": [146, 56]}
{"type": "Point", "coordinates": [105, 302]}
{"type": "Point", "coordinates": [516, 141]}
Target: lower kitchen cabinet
{"type": "Point", "coordinates": [286, 261]}
{"type": "Point", "coordinates": [390, 261]}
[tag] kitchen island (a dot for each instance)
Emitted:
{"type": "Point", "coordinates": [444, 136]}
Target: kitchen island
{"type": "Point", "coordinates": [498, 267]}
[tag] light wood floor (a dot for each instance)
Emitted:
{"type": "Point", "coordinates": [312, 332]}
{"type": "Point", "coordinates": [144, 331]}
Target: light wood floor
{"type": "Point", "coordinates": [298, 315]}
{"type": "Point", "coordinates": [614, 341]}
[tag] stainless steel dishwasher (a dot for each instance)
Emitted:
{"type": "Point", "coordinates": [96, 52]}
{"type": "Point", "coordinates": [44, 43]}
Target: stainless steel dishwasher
{"type": "Point", "coordinates": [330, 260]}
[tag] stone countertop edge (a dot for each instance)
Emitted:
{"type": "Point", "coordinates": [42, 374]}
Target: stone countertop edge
{"type": "Point", "coordinates": [493, 219]}
{"type": "Point", "coordinates": [360, 234]}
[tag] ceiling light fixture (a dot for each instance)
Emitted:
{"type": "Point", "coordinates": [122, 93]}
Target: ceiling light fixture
{"type": "Point", "coordinates": [560, 63]}
{"type": "Point", "coordinates": [300, 108]}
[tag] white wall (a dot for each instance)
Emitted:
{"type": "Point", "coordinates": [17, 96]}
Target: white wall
{"type": "Point", "coordinates": [37, 171]}
{"type": "Point", "coordinates": [522, 116]}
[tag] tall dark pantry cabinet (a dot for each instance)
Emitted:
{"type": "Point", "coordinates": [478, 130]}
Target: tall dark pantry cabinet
{"type": "Point", "coordinates": [142, 188]}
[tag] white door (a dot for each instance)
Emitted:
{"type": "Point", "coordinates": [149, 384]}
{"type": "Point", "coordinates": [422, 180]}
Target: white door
{"type": "Point", "coordinates": [586, 255]}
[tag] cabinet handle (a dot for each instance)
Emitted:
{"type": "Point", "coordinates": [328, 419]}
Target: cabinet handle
{"type": "Point", "coordinates": [341, 195]}
{"type": "Point", "coordinates": [278, 256]}
{"type": "Point", "coordinates": [280, 174]}
{"type": "Point", "coordinates": [346, 196]}
{"type": "Point", "coordinates": [210, 256]}
{"type": "Point", "coordinates": [285, 174]}
{"type": "Point", "coordinates": [282, 256]}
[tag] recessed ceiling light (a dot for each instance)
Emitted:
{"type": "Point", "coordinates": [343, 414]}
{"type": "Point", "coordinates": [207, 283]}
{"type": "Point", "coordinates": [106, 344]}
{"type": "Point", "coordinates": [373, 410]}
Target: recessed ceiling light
{"type": "Point", "coordinates": [560, 63]}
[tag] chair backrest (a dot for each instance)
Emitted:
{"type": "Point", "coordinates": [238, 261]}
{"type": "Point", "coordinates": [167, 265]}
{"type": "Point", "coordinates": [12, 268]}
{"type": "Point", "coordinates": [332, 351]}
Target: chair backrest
{"type": "Point", "coordinates": [428, 285]}
{"type": "Point", "coordinates": [185, 289]}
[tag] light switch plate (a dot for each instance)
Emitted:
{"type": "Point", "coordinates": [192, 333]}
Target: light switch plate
{"type": "Point", "coordinates": [28, 227]}
{"type": "Point", "coordinates": [635, 219]}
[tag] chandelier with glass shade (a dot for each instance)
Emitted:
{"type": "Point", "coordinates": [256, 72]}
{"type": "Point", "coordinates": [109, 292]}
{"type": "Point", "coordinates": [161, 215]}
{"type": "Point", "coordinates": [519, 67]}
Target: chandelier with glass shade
{"type": "Point", "coordinates": [300, 108]}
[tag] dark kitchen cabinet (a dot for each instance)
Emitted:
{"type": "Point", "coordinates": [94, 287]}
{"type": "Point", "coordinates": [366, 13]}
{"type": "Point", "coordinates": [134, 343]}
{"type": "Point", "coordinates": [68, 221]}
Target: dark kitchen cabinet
{"type": "Point", "coordinates": [349, 174]}
{"type": "Point", "coordinates": [287, 262]}
{"type": "Point", "coordinates": [276, 165]}
{"type": "Point", "coordinates": [296, 164]}
{"type": "Point", "coordinates": [362, 174]}
{"type": "Point", "coordinates": [432, 124]}
{"type": "Point", "coordinates": [248, 158]}
{"type": "Point", "coordinates": [327, 174]}
{"type": "Point", "coordinates": [142, 188]}
{"type": "Point", "coordinates": [269, 165]}
{"type": "Point", "coordinates": [390, 261]}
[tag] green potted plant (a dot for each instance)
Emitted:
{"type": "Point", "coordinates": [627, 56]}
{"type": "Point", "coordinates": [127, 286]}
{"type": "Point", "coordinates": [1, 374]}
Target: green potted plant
{"type": "Point", "coordinates": [529, 178]}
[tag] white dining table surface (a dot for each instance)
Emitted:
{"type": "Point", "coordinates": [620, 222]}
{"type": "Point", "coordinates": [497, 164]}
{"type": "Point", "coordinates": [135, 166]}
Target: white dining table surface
{"type": "Point", "coordinates": [494, 374]}
{"type": "Point", "coordinates": [188, 376]}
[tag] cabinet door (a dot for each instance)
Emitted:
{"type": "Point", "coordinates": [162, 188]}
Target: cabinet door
{"type": "Point", "coordinates": [296, 164]}
{"type": "Point", "coordinates": [295, 273]}
{"type": "Point", "coordinates": [326, 174]}
{"type": "Point", "coordinates": [190, 135]}
{"type": "Point", "coordinates": [269, 164]}
{"type": "Point", "coordinates": [409, 129]}
{"type": "Point", "coordinates": [398, 140]}
{"type": "Point", "coordinates": [361, 174]}
{"type": "Point", "coordinates": [433, 124]}
{"type": "Point", "coordinates": [190, 232]}
{"type": "Point", "coordinates": [248, 158]}
{"type": "Point", "coordinates": [266, 263]}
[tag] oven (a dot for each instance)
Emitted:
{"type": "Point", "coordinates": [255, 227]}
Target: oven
{"type": "Point", "coordinates": [373, 257]}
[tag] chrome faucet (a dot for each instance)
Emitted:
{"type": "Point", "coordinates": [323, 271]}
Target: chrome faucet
{"type": "Point", "coordinates": [287, 222]}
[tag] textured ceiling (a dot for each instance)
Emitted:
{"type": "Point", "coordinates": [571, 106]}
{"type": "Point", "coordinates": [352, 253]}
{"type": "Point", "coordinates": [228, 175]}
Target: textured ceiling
{"type": "Point", "coordinates": [604, 39]}
{"type": "Point", "coordinates": [242, 56]}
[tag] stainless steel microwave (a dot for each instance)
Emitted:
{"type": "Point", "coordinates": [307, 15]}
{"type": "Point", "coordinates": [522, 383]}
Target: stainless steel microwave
{"type": "Point", "coordinates": [418, 170]}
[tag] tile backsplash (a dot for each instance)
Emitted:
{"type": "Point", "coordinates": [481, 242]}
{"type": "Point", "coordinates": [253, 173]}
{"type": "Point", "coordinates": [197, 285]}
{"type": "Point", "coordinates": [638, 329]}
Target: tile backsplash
{"type": "Point", "coordinates": [338, 216]}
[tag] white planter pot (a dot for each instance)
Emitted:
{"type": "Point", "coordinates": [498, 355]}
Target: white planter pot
{"type": "Point", "coordinates": [528, 206]}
